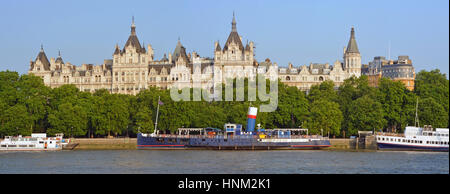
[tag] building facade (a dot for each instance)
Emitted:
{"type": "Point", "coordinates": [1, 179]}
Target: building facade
{"type": "Point", "coordinates": [133, 67]}
{"type": "Point", "coordinates": [398, 70]}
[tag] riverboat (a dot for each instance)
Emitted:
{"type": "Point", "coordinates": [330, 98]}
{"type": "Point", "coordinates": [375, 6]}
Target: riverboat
{"type": "Point", "coordinates": [35, 142]}
{"type": "Point", "coordinates": [233, 136]}
{"type": "Point", "coordinates": [415, 138]}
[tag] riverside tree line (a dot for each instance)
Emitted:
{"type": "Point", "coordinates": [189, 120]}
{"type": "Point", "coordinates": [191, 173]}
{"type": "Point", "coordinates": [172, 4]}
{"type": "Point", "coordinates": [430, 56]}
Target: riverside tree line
{"type": "Point", "coordinates": [27, 105]}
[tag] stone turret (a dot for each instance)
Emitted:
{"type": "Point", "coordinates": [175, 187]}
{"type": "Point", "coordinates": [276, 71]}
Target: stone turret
{"type": "Point", "coordinates": [352, 57]}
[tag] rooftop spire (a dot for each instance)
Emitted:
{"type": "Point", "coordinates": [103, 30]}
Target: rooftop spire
{"type": "Point", "coordinates": [59, 59]}
{"type": "Point", "coordinates": [42, 48]}
{"type": "Point", "coordinates": [133, 27]}
{"type": "Point", "coordinates": [233, 24]}
{"type": "Point", "coordinates": [352, 46]}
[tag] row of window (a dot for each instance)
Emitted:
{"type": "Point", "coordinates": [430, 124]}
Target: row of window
{"type": "Point", "coordinates": [320, 78]}
{"type": "Point", "coordinates": [412, 141]}
{"type": "Point", "coordinates": [20, 146]}
{"type": "Point", "coordinates": [434, 134]}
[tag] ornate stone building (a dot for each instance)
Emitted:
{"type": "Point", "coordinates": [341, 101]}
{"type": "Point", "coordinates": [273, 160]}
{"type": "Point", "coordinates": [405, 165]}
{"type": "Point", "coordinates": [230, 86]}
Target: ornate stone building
{"type": "Point", "coordinates": [304, 77]}
{"type": "Point", "coordinates": [398, 70]}
{"type": "Point", "coordinates": [134, 68]}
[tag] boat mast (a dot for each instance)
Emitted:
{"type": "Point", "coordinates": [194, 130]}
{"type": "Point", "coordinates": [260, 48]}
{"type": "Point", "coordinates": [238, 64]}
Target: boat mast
{"type": "Point", "coordinates": [157, 111]}
{"type": "Point", "coordinates": [416, 120]}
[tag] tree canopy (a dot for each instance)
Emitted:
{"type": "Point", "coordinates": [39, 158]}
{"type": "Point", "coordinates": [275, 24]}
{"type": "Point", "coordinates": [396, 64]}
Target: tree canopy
{"type": "Point", "coordinates": [27, 106]}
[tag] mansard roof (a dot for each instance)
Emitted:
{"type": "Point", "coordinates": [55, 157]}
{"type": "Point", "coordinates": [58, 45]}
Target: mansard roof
{"type": "Point", "coordinates": [158, 68]}
{"type": "Point", "coordinates": [352, 47]}
{"type": "Point", "coordinates": [203, 66]}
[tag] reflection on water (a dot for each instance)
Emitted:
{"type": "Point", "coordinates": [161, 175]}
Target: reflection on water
{"type": "Point", "coordinates": [224, 162]}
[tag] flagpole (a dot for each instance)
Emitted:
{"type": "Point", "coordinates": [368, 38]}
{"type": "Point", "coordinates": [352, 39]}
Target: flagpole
{"type": "Point", "coordinates": [157, 111]}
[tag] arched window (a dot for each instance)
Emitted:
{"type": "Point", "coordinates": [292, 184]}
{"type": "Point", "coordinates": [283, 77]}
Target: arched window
{"type": "Point", "coordinates": [320, 78]}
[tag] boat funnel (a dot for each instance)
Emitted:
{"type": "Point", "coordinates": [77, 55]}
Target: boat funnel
{"type": "Point", "coordinates": [252, 111]}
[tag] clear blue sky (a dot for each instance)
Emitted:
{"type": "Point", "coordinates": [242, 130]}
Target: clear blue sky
{"type": "Point", "coordinates": [296, 31]}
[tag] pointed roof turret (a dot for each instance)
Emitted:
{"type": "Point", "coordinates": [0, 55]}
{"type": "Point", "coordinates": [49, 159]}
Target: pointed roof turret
{"type": "Point", "coordinates": [59, 59]}
{"type": "Point", "coordinates": [247, 47]}
{"type": "Point", "coordinates": [218, 47]}
{"type": "Point", "coordinates": [234, 36]}
{"type": "Point", "coordinates": [164, 58]}
{"type": "Point", "coordinates": [178, 50]}
{"type": "Point", "coordinates": [117, 51]}
{"type": "Point", "coordinates": [133, 40]}
{"type": "Point", "coordinates": [42, 57]}
{"type": "Point", "coordinates": [352, 47]}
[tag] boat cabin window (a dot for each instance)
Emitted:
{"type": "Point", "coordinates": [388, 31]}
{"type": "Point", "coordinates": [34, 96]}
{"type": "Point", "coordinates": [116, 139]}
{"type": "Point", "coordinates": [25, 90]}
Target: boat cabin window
{"type": "Point", "coordinates": [3, 146]}
{"type": "Point", "coordinates": [12, 146]}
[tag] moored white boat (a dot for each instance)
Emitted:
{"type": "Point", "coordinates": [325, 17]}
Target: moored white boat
{"type": "Point", "coordinates": [415, 138]}
{"type": "Point", "coordinates": [35, 142]}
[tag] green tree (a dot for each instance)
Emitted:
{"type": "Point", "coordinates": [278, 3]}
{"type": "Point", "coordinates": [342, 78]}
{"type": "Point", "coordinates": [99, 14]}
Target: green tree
{"type": "Point", "coordinates": [16, 121]}
{"type": "Point", "coordinates": [366, 115]}
{"type": "Point", "coordinates": [352, 89]}
{"type": "Point", "coordinates": [144, 121]}
{"type": "Point", "coordinates": [326, 116]}
{"type": "Point", "coordinates": [433, 84]}
{"type": "Point", "coordinates": [293, 107]}
{"type": "Point", "coordinates": [325, 90]}
{"type": "Point", "coordinates": [68, 119]}
{"type": "Point", "coordinates": [432, 113]}
{"type": "Point", "coordinates": [392, 95]}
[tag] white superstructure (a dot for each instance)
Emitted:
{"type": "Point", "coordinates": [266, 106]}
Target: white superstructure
{"type": "Point", "coordinates": [415, 138]}
{"type": "Point", "coordinates": [35, 142]}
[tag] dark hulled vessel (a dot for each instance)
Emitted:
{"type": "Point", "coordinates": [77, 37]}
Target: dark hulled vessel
{"type": "Point", "coordinates": [233, 137]}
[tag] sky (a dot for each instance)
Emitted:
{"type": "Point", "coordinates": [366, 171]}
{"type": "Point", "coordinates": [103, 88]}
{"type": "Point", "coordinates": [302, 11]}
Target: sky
{"type": "Point", "coordinates": [298, 31]}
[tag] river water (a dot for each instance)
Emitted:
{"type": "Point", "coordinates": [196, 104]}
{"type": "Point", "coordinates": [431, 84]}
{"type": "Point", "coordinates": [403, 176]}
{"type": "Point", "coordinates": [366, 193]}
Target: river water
{"type": "Point", "coordinates": [224, 162]}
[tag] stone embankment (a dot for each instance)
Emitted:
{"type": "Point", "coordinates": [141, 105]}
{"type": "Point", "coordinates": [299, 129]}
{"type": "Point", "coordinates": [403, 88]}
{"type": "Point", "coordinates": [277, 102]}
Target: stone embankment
{"type": "Point", "coordinates": [130, 144]}
{"type": "Point", "coordinates": [104, 143]}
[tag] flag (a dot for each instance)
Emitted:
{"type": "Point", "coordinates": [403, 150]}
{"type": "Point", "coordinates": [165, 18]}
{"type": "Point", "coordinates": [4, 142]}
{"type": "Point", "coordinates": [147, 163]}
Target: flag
{"type": "Point", "coordinates": [160, 102]}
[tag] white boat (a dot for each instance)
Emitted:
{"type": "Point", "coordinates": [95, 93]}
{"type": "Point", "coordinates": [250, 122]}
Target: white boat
{"type": "Point", "coordinates": [415, 138]}
{"type": "Point", "coordinates": [35, 142]}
